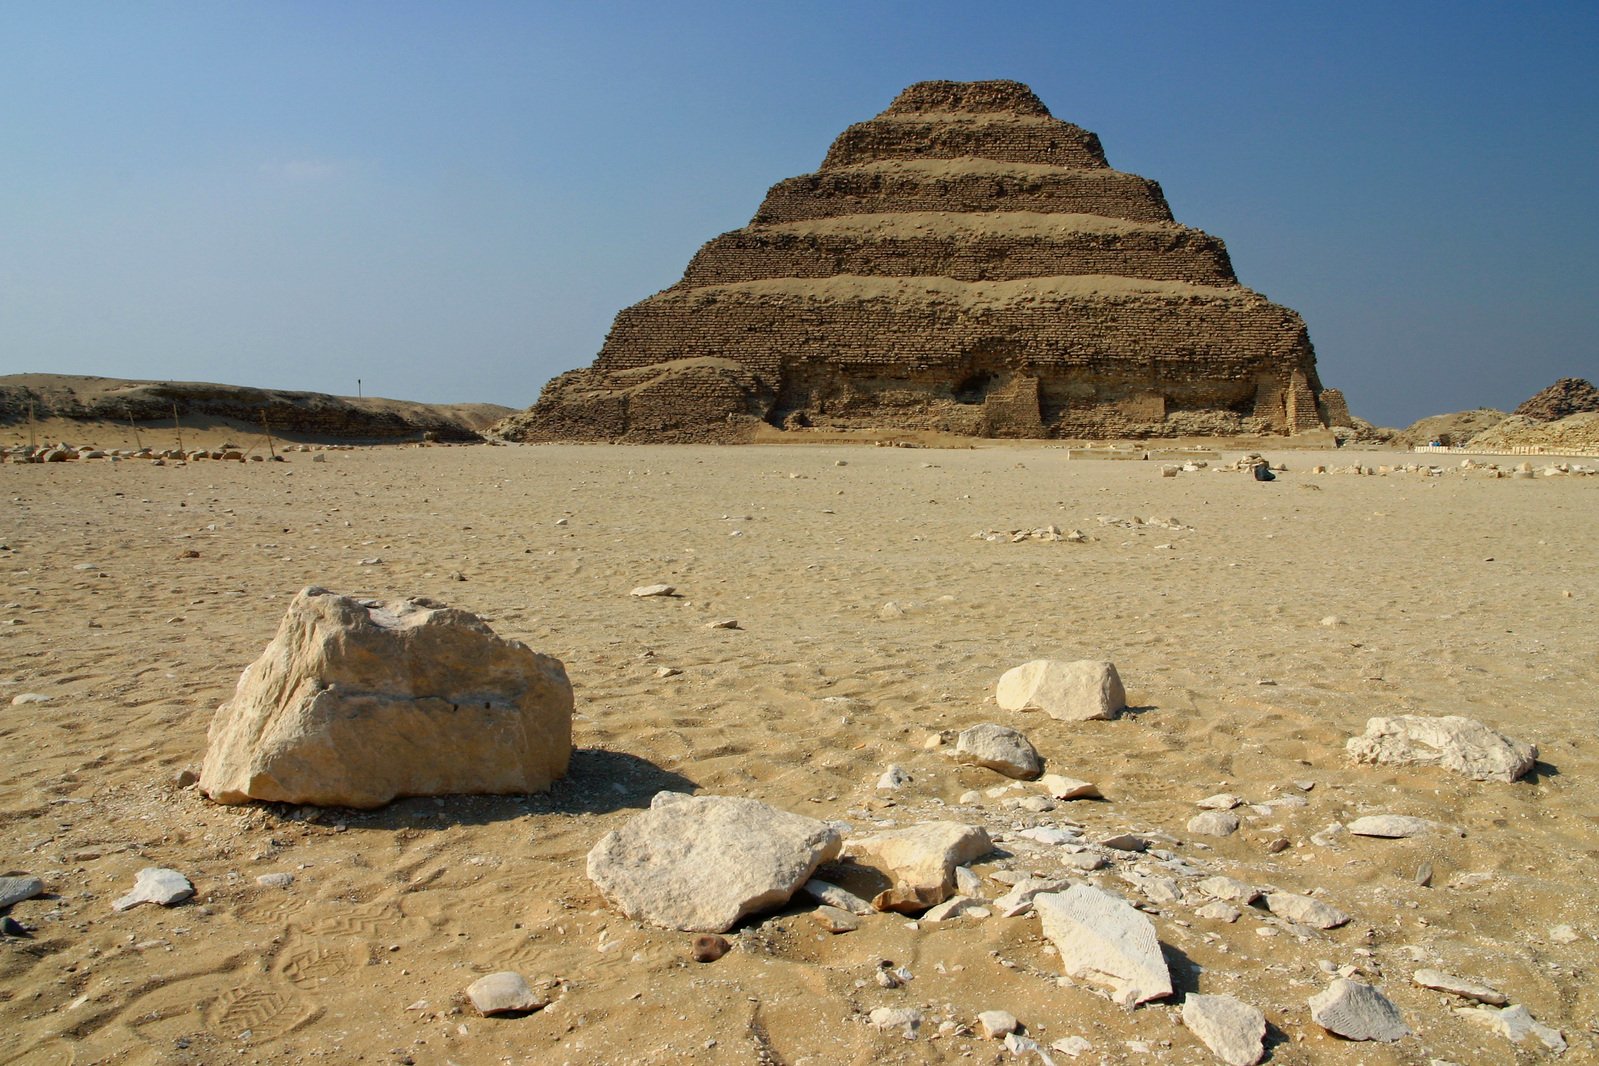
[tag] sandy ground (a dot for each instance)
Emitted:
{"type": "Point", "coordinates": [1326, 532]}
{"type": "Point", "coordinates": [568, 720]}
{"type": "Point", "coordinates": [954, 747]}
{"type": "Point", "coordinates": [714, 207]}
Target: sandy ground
{"type": "Point", "coordinates": [1252, 643]}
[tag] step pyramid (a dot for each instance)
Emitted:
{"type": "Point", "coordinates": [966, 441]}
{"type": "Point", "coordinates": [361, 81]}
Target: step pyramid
{"type": "Point", "coordinates": [964, 262]}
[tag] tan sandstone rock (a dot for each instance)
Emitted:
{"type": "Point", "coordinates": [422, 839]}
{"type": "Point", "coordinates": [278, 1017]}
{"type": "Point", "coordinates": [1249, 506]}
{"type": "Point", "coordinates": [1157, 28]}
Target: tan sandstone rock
{"type": "Point", "coordinates": [356, 702]}
{"type": "Point", "coordinates": [920, 861]}
{"type": "Point", "coordinates": [1454, 742]}
{"type": "Point", "coordinates": [1066, 691]}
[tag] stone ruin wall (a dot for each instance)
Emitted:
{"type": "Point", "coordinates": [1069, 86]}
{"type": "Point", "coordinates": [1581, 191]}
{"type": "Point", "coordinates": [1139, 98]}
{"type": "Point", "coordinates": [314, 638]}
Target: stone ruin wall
{"type": "Point", "coordinates": [939, 273]}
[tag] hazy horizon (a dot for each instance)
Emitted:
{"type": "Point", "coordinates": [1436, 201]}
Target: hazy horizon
{"type": "Point", "coordinates": [451, 205]}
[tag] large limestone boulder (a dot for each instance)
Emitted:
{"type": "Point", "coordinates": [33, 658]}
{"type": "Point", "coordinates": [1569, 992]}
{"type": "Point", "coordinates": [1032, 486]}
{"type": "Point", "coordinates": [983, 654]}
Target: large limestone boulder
{"type": "Point", "coordinates": [1452, 741]}
{"type": "Point", "coordinates": [700, 863]}
{"type": "Point", "coordinates": [1069, 692]}
{"type": "Point", "coordinates": [919, 861]}
{"type": "Point", "coordinates": [356, 702]}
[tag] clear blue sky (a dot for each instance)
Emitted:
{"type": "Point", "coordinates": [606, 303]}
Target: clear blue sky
{"type": "Point", "coordinates": [451, 201]}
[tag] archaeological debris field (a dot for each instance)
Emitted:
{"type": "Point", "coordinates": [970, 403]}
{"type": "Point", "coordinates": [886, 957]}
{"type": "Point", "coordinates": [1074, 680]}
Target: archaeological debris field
{"type": "Point", "coordinates": [876, 596]}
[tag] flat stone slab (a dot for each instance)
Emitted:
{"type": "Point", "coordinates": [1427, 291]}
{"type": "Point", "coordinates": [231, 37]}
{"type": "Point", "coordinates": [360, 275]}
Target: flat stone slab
{"type": "Point", "coordinates": [17, 889]}
{"type": "Point", "coordinates": [1229, 888]}
{"type": "Point", "coordinates": [1515, 1024]}
{"type": "Point", "coordinates": [1394, 826]}
{"type": "Point", "coordinates": [1305, 910]}
{"type": "Point", "coordinates": [643, 591]}
{"type": "Point", "coordinates": [1104, 940]}
{"type": "Point", "coordinates": [1459, 986]}
{"type": "Point", "coordinates": [831, 895]}
{"type": "Point", "coordinates": [700, 863]}
{"type": "Point", "coordinates": [1234, 1031]}
{"type": "Point", "coordinates": [506, 992]}
{"type": "Point", "coordinates": [156, 884]}
{"type": "Point", "coordinates": [1068, 788]}
{"type": "Point", "coordinates": [1453, 742]}
{"type": "Point", "coordinates": [1357, 1011]}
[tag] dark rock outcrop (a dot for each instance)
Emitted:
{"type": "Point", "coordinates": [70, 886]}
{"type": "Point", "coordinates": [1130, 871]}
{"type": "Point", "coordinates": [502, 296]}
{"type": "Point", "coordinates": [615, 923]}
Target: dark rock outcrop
{"type": "Point", "coordinates": [963, 262]}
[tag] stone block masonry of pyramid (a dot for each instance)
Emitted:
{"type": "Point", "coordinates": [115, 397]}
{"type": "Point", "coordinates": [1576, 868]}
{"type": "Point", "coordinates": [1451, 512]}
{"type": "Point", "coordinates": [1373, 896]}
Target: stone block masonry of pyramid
{"type": "Point", "coordinates": [963, 263]}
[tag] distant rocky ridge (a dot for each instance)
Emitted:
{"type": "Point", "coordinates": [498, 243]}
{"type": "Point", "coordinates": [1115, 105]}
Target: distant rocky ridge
{"type": "Point", "coordinates": [962, 263]}
{"type": "Point", "coordinates": [311, 415]}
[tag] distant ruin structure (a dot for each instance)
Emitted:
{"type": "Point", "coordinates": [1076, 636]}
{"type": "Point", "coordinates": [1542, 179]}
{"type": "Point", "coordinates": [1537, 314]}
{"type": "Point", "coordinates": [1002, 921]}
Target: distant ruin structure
{"type": "Point", "coordinates": [964, 262]}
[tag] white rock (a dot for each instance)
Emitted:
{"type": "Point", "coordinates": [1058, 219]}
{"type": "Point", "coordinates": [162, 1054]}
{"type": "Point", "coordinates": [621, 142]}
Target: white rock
{"type": "Point", "coordinates": [920, 861]}
{"type": "Point", "coordinates": [1218, 911]}
{"type": "Point", "coordinates": [701, 863]}
{"type": "Point", "coordinates": [1036, 804]}
{"type": "Point", "coordinates": [1066, 691]}
{"type": "Point", "coordinates": [356, 702]}
{"type": "Point", "coordinates": [1305, 910]}
{"type": "Point", "coordinates": [1329, 836]}
{"type": "Point", "coordinates": [1389, 825]}
{"type": "Point", "coordinates": [1068, 788]}
{"type": "Point", "coordinates": [1357, 1011]}
{"type": "Point", "coordinates": [999, 748]}
{"type": "Point", "coordinates": [1464, 745]}
{"type": "Point", "coordinates": [1229, 888]}
{"type": "Point", "coordinates": [952, 908]}
{"type": "Point", "coordinates": [968, 883]}
{"type": "Point", "coordinates": [1221, 801]}
{"type": "Point", "coordinates": [275, 880]}
{"type": "Point", "coordinates": [1051, 835]}
{"type": "Point", "coordinates": [832, 895]}
{"type": "Point", "coordinates": [1564, 934]}
{"type": "Point", "coordinates": [505, 992]}
{"type": "Point", "coordinates": [653, 590]}
{"type": "Point", "coordinates": [1234, 1031]}
{"type": "Point", "coordinates": [1071, 1045]}
{"type": "Point", "coordinates": [894, 778]}
{"type": "Point", "coordinates": [1214, 823]}
{"type": "Point", "coordinates": [1019, 900]}
{"type": "Point", "coordinates": [1515, 1024]}
{"type": "Point", "coordinates": [997, 1023]}
{"type": "Point", "coordinates": [908, 1020]}
{"type": "Point", "coordinates": [29, 697]}
{"type": "Point", "coordinates": [18, 888]}
{"type": "Point", "coordinates": [156, 884]}
{"type": "Point", "coordinates": [1102, 939]}
{"type": "Point", "coordinates": [835, 919]}
{"type": "Point", "coordinates": [1459, 986]}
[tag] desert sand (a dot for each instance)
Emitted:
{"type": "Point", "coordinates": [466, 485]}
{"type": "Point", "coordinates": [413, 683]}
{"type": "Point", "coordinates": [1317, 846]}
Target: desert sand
{"type": "Point", "coordinates": [1254, 639]}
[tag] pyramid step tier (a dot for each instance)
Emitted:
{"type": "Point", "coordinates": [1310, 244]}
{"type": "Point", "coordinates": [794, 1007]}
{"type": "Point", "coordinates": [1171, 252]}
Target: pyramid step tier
{"type": "Point", "coordinates": [964, 185]}
{"type": "Point", "coordinates": [1003, 138]}
{"type": "Point", "coordinates": [966, 247]}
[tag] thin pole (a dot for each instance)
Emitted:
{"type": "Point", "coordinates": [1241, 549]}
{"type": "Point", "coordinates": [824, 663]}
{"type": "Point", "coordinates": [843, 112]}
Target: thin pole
{"type": "Point", "coordinates": [268, 429]}
{"type": "Point", "coordinates": [137, 443]}
{"type": "Point", "coordinates": [358, 395]}
{"type": "Point", "coordinates": [32, 440]}
{"type": "Point", "coordinates": [176, 425]}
